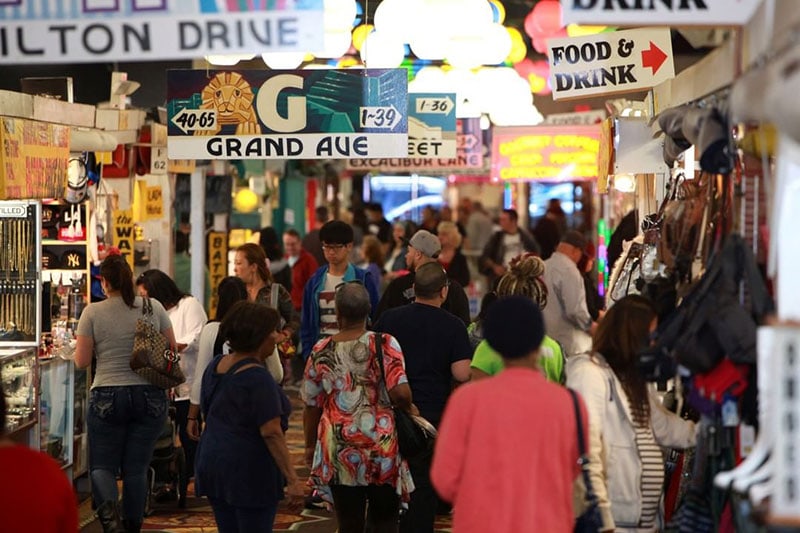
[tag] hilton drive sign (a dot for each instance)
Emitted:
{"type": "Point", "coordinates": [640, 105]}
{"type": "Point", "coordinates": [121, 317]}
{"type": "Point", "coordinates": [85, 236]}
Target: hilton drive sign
{"type": "Point", "coordinates": [607, 63]}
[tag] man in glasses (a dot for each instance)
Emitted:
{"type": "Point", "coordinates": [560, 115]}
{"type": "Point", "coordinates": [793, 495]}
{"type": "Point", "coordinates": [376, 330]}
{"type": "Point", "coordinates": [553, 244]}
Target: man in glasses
{"type": "Point", "coordinates": [423, 248]}
{"type": "Point", "coordinates": [319, 314]}
{"type": "Point", "coordinates": [437, 353]}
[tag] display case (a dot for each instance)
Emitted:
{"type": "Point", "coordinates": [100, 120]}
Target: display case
{"type": "Point", "coordinates": [56, 411]}
{"type": "Point", "coordinates": [18, 371]}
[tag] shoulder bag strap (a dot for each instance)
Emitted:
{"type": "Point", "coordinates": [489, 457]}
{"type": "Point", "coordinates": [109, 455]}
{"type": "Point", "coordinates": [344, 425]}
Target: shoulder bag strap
{"type": "Point", "coordinates": [379, 357]}
{"type": "Point", "coordinates": [273, 295]}
{"type": "Point", "coordinates": [583, 460]}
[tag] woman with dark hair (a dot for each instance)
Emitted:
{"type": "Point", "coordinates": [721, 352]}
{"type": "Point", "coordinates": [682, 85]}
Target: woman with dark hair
{"type": "Point", "coordinates": [242, 459]}
{"type": "Point", "coordinates": [126, 412]}
{"type": "Point", "coordinates": [211, 344]}
{"type": "Point", "coordinates": [36, 496]}
{"type": "Point", "coordinates": [395, 264]}
{"type": "Point", "coordinates": [251, 266]}
{"type": "Point", "coordinates": [627, 422]}
{"type": "Point", "coordinates": [270, 242]}
{"type": "Point", "coordinates": [351, 444]}
{"type": "Point", "coordinates": [188, 318]}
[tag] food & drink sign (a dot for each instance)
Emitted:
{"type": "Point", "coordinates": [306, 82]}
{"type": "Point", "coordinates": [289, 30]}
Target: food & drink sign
{"type": "Point", "coordinates": [282, 114]}
{"type": "Point", "coordinates": [607, 63]}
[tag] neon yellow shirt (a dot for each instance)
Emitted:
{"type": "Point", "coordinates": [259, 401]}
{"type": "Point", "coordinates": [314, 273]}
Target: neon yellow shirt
{"type": "Point", "coordinates": [551, 360]}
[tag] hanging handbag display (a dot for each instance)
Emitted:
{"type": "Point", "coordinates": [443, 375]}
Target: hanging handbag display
{"type": "Point", "coordinates": [412, 438]}
{"type": "Point", "coordinates": [590, 520]}
{"type": "Point", "coordinates": [153, 358]}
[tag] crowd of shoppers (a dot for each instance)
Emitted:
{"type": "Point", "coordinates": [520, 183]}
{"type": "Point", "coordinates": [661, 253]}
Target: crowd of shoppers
{"type": "Point", "coordinates": [540, 326]}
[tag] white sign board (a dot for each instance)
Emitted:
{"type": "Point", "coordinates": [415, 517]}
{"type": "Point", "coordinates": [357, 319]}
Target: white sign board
{"type": "Point", "coordinates": [606, 63]}
{"type": "Point", "coordinates": [658, 12]}
{"type": "Point", "coordinates": [582, 118]}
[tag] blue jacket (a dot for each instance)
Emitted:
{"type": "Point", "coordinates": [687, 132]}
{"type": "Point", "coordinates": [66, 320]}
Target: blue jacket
{"type": "Point", "coordinates": [309, 323]}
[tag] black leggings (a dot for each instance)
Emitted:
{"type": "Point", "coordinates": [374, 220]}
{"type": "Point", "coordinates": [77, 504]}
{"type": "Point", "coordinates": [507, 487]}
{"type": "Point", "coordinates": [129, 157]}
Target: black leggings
{"type": "Point", "coordinates": [376, 506]}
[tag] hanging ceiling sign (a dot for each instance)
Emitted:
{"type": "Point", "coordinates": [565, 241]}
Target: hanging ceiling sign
{"type": "Point", "coordinates": [658, 12]}
{"type": "Point", "coordinates": [468, 158]}
{"type": "Point", "coordinates": [431, 125]}
{"type": "Point", "coordinates": [287, 114]}
{"type": "Point", "coordinates": [62, 31]}
{"type": "Point", "coordinates": [551, 153]}
{"type": "Point", "coordinates": [606, 63]}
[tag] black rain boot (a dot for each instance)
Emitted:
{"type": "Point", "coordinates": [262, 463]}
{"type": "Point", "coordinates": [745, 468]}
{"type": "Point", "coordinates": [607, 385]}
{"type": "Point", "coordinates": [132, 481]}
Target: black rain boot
{"type": "Point", "coordinates": [108, 514]}
{"type": "Point", "coordinates": [132, 526]}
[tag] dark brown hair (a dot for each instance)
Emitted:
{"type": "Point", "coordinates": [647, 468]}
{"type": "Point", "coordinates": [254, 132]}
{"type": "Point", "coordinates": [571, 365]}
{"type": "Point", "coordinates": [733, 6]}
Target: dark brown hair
{"type": "Point", "coordinates": [119, 276]}
{"type": "Point", "coordinates": [373, 252]}
{"type": "Point", "coordinates": [254, 254]}
{"type": "Point", "coordinates": [247, 324]}
{"type": "Point", "coordinates": [620, 336]}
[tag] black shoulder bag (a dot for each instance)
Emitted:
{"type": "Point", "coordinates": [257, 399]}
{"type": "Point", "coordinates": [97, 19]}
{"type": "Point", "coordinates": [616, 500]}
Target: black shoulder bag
{"type": "Point", "coordinates": [412, 439]}
{"type": "Point", "coordinates": [590, 520]}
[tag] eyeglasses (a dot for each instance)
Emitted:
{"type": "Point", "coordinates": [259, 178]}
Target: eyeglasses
{"type": "Point", "coordinates": [332, 247]}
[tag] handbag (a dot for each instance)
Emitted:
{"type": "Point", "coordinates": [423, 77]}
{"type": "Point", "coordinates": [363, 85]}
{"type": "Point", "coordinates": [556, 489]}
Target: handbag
{"type": "Point", "coordinates": [412, 438]}
{"type": "Point", "coordinates": [590, 520]}
{"type": "Point", "coordinates": [152, 357]}
{"type": "Point", "coordinates": [286, 348]}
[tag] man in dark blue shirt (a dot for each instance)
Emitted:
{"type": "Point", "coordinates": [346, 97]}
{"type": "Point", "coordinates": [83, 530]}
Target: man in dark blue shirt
{"type": "Point", "coordinates": [437, 354]}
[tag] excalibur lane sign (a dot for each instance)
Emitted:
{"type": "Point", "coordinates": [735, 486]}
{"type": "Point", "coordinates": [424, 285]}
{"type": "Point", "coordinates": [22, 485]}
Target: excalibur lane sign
{"type": "Point", "coordinates": [658, 12]}
{"type": "Point", "coordinates": [286, 114]}
{"type": "Point", "coordinates": [618, 62]}
{"type": "Point", "coordinates": [70, 31]}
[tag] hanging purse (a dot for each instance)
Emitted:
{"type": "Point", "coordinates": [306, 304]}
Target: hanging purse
{"type": "Point", "coordinates": [590, 520]}
{"type": "Point", "coordinates": [152, 357]}
{"type": "Point", "coordinates": [412, 439]}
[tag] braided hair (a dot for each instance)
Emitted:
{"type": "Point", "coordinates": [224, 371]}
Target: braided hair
{"type": "Point", "coordinates": [524, 278]}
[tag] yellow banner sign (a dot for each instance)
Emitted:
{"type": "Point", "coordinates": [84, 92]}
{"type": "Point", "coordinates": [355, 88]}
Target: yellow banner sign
{"type": "Point", "coordinates": [123, 233]}
{"type": "Point", "coordinates": [217, 265]}
{"type": "Point", "coordinates": [154, 203]}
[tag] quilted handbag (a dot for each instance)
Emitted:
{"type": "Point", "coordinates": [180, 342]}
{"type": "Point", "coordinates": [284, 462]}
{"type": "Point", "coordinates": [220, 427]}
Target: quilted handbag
{"type": "Point", "coordinates": [153, 358]}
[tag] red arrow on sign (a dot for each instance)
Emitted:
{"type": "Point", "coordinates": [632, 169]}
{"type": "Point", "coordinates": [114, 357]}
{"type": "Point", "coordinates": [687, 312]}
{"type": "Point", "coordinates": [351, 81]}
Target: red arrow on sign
{"type": "Point", "coordinates": [653, 57]}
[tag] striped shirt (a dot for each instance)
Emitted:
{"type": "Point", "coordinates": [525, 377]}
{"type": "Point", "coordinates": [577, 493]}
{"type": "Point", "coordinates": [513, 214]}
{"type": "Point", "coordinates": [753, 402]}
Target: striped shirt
{"type": "Point", "coordinates": [652, 475]}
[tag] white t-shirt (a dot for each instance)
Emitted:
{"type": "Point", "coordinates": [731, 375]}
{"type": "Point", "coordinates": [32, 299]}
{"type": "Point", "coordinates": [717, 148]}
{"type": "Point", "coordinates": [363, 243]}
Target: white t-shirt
{"type": "Point", "coordinates": [512, 247]}
{"type": "Point", "coordinates": [188, 319]}
{"type": "Point", "coordinates": [327, 308]}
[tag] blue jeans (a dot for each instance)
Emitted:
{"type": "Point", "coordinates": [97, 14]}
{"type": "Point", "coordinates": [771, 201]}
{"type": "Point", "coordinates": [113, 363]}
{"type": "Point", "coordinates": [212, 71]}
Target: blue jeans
{"type": "Point", "coordinates": [124, 424]}
{"type": "Point", "coordinates": [232, 519]}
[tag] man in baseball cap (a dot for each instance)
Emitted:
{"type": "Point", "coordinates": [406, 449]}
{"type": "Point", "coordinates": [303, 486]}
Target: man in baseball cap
{"type": "Point", "coordinates": [423, 248]}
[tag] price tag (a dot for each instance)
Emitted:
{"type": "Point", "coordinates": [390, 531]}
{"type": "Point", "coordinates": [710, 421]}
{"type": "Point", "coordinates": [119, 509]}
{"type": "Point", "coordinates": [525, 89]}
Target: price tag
{"type": "Point", "coordinates": [158, 160]}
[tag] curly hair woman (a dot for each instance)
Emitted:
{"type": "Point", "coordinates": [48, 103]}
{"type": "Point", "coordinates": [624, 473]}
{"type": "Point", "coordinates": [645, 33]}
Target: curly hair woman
{"type": "Point", "coordinates": [524, 278]}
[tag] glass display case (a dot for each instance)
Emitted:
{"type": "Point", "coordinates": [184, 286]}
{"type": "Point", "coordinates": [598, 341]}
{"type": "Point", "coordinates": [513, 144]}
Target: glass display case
{"type": "Point", "coordinates": [18, 374]}
{"type": "Point", "coordinates": [56, 409]}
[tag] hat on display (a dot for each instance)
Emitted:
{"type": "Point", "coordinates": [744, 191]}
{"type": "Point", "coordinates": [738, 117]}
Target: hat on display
{"type": "Point", "coordinates": [575, 238]}
{"type": "Point", "coordinates": [501, 327]}
{"type": "Point", "coordinates": [73, 259]}
{"type": "Point", "coordinates": [714, 144]}
{"type": "Point", "coordinates": [427, 243]}
{"type": "Point", "coordinates": [49, 260]}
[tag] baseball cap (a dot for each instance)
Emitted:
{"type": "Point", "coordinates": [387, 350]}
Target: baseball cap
{"type": "Point", "coordinates": [575, 238]}
{"type": "Point", "coordinates": [427, 243]}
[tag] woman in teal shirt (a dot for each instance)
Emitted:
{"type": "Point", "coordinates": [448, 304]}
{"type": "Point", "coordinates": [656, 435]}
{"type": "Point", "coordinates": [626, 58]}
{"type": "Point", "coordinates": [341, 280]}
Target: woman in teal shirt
{"type": "Point", "coordinates": [524, 278]}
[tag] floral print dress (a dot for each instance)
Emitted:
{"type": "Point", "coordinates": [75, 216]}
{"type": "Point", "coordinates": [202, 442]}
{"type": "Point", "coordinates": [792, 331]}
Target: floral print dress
{"type": "Point", "coordinates": [356, 439]}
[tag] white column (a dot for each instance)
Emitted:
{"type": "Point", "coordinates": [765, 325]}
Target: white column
{"type": "Point", "coordinates": [197, 241]}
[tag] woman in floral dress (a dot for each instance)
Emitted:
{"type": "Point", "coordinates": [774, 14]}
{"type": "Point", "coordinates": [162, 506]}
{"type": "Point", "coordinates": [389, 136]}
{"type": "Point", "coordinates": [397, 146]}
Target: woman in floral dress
{"type": "Point", "coordinates": [351, 444]}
